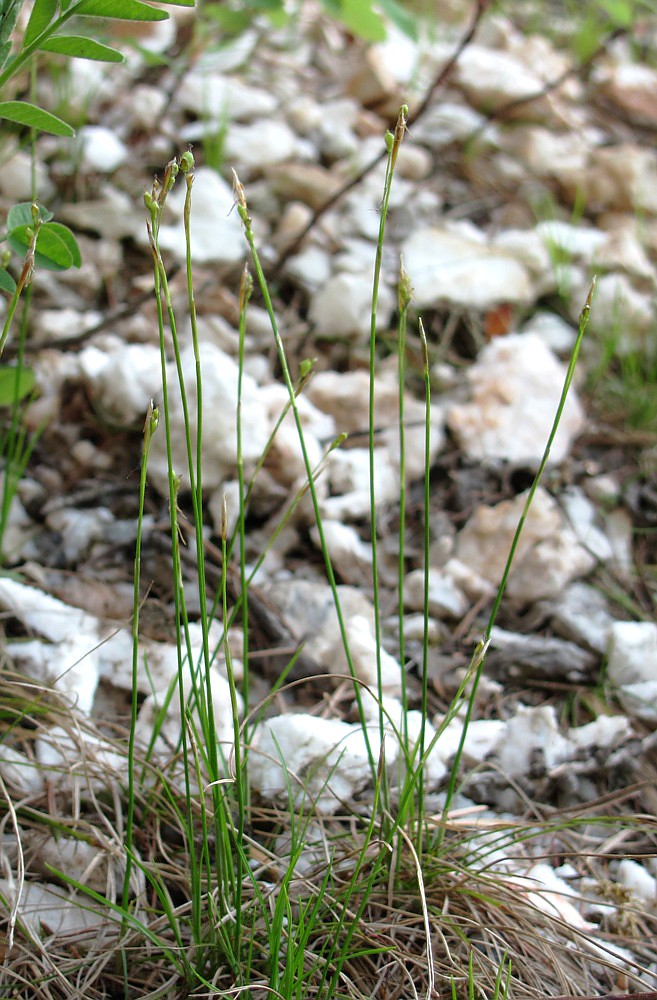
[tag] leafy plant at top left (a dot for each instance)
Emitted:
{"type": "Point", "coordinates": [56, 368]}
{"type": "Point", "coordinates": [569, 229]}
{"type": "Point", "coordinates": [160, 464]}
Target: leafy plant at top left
{"type": "Point", "coordinates": [30, 231]}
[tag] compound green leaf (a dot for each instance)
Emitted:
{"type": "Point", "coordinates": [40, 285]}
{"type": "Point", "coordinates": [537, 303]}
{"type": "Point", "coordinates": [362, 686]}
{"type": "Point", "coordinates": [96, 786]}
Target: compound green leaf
{"type": "Point", "coordinates": [79, 47]}
{"type": "Point", "coordinates": [29, 114]}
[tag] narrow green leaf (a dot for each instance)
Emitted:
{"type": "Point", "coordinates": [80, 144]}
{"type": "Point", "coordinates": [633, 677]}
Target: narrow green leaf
{"type": "Point", "coordinates": [79, 47]}
{"type": "Point", "coordinates": [8, 377]}
{"type": "Point", "coordinates": [21, 215]}
{"type": "Point", "coordinates": [43, 14]}
{"type": "Point", "coordinates": [7, 283]}
{"type": "Point", "coordinates": [127, 10]}
{"type": "Point", "coordinates": [29, 114]}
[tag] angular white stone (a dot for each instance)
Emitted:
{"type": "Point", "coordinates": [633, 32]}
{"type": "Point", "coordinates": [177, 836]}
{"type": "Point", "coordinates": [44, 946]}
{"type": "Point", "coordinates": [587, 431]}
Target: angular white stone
{"type": "Point", "coordinates": [122, 382]}
{"type": "Point", "coordinates": [71, 666]}
{"type": "Point", "coordinates": [516, 385]}
{"type": "Point", "coordinates": [220, 379]}
{"type": "Point", "coordinates": [632, 653]}
{"type": "Point", "coordinates": [19, 772]}
{"type": "Point", "coordinates": [632, 87]}
{"type": "Point", "coordinates": [451, 266]}
{"type": "Point", "coordinates": [102, 150]}
{"type": "Point", "coordinates": [216, 99]}
{"type": "Point", "coordinates": [350, 555]}
{"type": "Point", "coordinates": [491, 79]}
{"type": "Point", "coordinates": [216, 230]}
{"type": "Point", "coordinates": [260, 144]}
{"type": "Point", "coordinates": [324, 761]}
{"type": "Point", "coordinates": [548, 556]}
{"type": "Point", "coordinates": [641, 883]}
{"type": "Point", "coordinates": [343, 306]}
{"type": "Point", "coordinates": [581, 614]}
{"type": "Point", "coordinates": [446, 600]}
{"type": "Point", "coordinates": [532, 729]}
{"type": "Point", "coordinates": [362, 646]}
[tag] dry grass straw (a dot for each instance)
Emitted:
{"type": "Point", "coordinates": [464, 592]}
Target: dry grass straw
{"type": "Point", "coordinates": [463, 924]}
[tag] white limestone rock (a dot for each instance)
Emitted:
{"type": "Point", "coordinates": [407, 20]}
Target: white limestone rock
{"type": "Point", "coordinates": [625, 249]}
{"type": "Point", "coordinates": [220, 377]}
{"type": "Point", "coordinates": [20, 773]}
{"type": "Point", "coordinates": [123, 381]}
{"type": "Point", "coordinates": [531, 729]}
{"type": "Point", "coordinates": [311, 268]}
{"type": "Point", "coordinates": [324, 761]}
{"type": "Point", "coordinates": [45, 615]}
{"type": "Point", "coordinates": [481, 738]}
{"type": "Point", "coordinates": [580, 242]}
{"type": "Point", "coordinates": [260, 144]}
{"type": "Point", "coordinates": [112, 215]}
{"type": "Point", "coordinates": [56, 324]}
{"type": "Point", "coordinates": [632, 667]}
{"type": "Point", "coordinates": [445, 123]}
{"type": "Point", "coordinates": [640, 882]}
{"type": "Point", "coordinates": [102, 150]}
{"type": "Point", "coordinates": [308, 611]}
{"type": "Point", "coordinates": [563, 157]}
{"type": "Point", "coordinates": [605, 732]}
{"type": "Point", "coordinates": [446, 599]}
{"type": "Point", "coordinates": [458, 265]}
{"type": "Point", "coordinates": [170, 729]}
{"type": "Point", "coordinates": [216, 230]}
{"type": "Point", "coordinates": [71, 666]}
{"type": "Point", "coordinates": [633, 89]}
{"type": "Point", "coordinates": [557, 335]}
{"type": "Point", "coordinates": [491, 79]}
{"type": "Point", "coordinates": [632, 652]}
{"type": "Point", "coordinates": [215, 98]}
{"type": "Point", "coordinates": [548, 556]}
{"type": "Point", "coordinates": [285, 458]}
{"type": "Point", "coordinates": [50, 913]}
{"type": "Point", "coordinates": [362, 646]}
{"type": "Point", "coordinates": [583, 519]}
{"type": "Point", "coordinates": [622, 178]}
{"type": "Point", "coordinates": [349, 483]}
{"type": "Point", "coordinates": [619, 306]}
{"type": "Point", "coordinates": [581, 613]}
{"type": "Point", "coordinates": [343, 306]}
{"type": "Point", "coordinates": [516, 385]}
{"type": "Point", "coordinates": [16, 177]}
{"type": "Point", "coordinates": [350, 556]}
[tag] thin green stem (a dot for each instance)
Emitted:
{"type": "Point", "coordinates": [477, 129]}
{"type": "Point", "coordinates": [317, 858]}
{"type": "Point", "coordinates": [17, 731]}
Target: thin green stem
{"type": "Point", "coordinates": [425, 604]}
{"type": "Point", "coordinates": [150, 426]}
{"type": "Point", "coordinates": [246, 288]}
{"type": "Point", "coordinates": [393, 143]}
{"type": "Point", "coordinates": [404, 300]}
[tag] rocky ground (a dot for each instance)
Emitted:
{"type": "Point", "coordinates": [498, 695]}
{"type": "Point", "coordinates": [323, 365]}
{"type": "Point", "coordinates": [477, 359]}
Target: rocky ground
{"type": "Point", "coordinates": [526, 170]}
